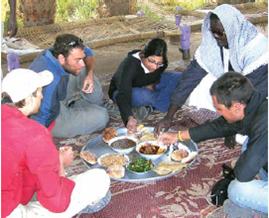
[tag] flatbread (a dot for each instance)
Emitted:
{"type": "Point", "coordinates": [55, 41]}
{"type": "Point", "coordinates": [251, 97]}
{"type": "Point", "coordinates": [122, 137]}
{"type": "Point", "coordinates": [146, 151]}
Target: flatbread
{"type": "Point", "coordinates": [148, 136]}
{"type": "Point", "coordinates": [88, 156]}
{"type": "Point", "coordinates": [190, 157]}
{"type": "Point", "coordinates": [179, 154]}
{"type": "Point", "coordinates": [167, 167]}
{"type": "Point", "coordinates": [116, 171]}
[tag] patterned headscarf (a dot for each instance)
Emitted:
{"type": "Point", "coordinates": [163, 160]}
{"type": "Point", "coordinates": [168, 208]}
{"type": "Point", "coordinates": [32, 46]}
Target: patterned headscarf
{"type": "Point", "coordinates": [247, 47]}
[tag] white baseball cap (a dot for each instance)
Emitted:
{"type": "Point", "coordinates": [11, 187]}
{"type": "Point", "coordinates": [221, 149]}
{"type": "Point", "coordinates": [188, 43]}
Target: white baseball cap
{"type": "Point", "coordinates": [21, 83]}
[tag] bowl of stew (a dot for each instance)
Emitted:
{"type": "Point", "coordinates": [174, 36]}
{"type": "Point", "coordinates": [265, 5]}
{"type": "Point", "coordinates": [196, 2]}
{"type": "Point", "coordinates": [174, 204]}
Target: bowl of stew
{"type": "Point", "coordinates": [151, 150]}
{"type": "Point", "coordinates": [123, 144]}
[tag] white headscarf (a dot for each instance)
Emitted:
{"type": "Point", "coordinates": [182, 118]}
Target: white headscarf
{"type": "Point", "coordinates": [247, 47]}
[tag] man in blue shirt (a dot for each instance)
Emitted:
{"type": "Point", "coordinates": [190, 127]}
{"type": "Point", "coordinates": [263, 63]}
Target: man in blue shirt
{"type": "Point", "coordinates": [73, 100]}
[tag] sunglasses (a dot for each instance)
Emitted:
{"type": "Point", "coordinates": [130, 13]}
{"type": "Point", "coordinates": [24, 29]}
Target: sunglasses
{"type": "Point", "coordinates": [73, 43]}
{"type": "Point", "coordinates": [154, 62]}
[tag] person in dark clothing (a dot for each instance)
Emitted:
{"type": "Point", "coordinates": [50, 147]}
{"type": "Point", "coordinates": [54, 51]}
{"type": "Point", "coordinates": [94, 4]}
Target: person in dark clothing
{"type": "Point", "coordinates": [232, 44]}
{"type": "Point", "coordinates": [243, 110]}
{"type": "Point", "coordinates": [140, 81]}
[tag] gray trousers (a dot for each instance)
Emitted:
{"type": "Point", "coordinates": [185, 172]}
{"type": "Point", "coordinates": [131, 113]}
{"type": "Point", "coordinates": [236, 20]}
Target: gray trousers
{"type": "Point", "coordinates": [81, 113]}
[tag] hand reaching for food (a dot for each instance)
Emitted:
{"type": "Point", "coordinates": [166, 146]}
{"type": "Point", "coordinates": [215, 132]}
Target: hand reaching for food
{"type": "Point", "coordinates": [131, 125]}
{"type": "Point", "coordinates": [168, 138]}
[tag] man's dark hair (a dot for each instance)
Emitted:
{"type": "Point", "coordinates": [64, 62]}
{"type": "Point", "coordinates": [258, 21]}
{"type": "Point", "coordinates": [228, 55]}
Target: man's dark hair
{"type": "Point", "coordinates": [65, 43]}
{"type": "Point", "coordinates": [156, 47]}
{"type": "Point", "coordinates": [232, 87]}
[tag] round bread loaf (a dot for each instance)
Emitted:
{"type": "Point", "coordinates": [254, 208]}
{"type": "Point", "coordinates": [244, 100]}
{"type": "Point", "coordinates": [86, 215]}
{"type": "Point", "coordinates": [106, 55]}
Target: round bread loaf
{"type": "Point", "coordinates": [88, 156]}
{"type": "Point", "coordinates": [116, 171]}
{"type": "Point", "coordinates": [179, 154]}
{"type": "Point", "coordinates": [109, 133]}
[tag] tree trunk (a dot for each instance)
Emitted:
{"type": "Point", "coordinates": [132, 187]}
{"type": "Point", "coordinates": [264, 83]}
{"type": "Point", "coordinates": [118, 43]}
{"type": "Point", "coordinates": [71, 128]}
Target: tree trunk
{"type": "Point", "coordinates": [108, 8]}
{"type": "Point", "coordinates": [37, 13]}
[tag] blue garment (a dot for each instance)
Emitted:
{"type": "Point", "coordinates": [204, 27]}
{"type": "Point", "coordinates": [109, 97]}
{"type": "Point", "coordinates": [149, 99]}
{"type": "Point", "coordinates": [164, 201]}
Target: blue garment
{"type": "Point", "coordinates": [252, 194]}
{"type": "Point", "coordinates": [55, 91]}
{"type": "Point", "coordinates": [159, 98]}
{"type": "Point", "coordinates": [88, 52]}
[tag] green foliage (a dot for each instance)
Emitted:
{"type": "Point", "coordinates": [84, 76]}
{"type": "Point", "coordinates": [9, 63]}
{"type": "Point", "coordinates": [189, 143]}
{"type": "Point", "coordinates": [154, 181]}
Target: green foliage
{"type": "Point", "coordinates": [185, 4]}
{"type": "Point", "coordinates": [148, 12]}
{"type": "Point", "coordinates": [73, 10]}
{"type": "Point", "coordinates": [5, 12]}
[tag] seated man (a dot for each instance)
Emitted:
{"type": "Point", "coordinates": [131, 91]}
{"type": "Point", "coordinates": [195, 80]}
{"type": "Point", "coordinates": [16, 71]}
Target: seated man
{"type": "Point", "coordinates": [30, 162]}
{"type": "Point", "coordinates": [229, 42]}
{"type": "Point", "coordinates": [243, 110]}
{"type": "Point", "coordinates": [74, 97]}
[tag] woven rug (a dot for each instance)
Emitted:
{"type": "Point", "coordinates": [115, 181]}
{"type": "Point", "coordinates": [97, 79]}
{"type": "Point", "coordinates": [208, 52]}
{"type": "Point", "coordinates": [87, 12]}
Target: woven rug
{"type": "Point", "coordinates": [186, 194]}
{"type": "Point", "coordinates": [183, 195]}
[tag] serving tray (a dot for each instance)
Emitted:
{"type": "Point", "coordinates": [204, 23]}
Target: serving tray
{"type": "Point", "coordinates": [98, 147]}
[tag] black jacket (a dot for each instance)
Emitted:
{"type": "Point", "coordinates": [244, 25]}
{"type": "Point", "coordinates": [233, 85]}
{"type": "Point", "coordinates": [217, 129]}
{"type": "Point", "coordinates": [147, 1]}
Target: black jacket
{"type": "Point", "coordinates": [254, 125]}
{"type": "Point", "coordinates": [128, 75]}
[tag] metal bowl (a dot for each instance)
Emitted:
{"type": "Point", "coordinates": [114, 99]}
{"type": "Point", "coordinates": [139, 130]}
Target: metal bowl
{"type": "Point", "coordinates": [122, 149]}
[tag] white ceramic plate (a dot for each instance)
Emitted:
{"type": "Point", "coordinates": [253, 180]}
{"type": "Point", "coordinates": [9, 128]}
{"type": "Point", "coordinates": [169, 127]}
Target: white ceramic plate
{"type": "Point", "coordinates": [151, 156]}
{"type": "Point", "coordinates": [191, 154]}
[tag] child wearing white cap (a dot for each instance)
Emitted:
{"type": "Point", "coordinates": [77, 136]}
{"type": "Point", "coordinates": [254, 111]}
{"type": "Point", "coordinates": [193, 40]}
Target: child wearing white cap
{"type": "Point", "coordinates": [30, 162]}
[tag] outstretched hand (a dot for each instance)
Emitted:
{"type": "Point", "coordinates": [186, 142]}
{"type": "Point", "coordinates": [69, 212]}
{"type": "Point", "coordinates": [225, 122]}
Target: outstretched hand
{"type": "Point", "coordinates": [162, 125]}
{"type": "Point", "coordinates": [168, 138]}
{"type": "Point", "coordinates": [131, 125]}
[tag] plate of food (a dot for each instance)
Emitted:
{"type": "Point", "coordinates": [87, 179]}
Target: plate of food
{"type": "Point", "coordinates": [116, 164]}
{"type": "Point", "coordinates": [88, 157]}
{"type": "Point", "coordinates": [123, 144]}
{"type": "Point", "coordinates": [109, 133]}
{"type": "Point", "coordinates": [110, 159]}
{"type": "Point", "coordinates": [151, 150]}
{"type": "Point", "coordinates": [140, 165]}
{"type": "Point", "coordinates": [181, 153]}
{"type": "Point", "coordinates": [145, 133]}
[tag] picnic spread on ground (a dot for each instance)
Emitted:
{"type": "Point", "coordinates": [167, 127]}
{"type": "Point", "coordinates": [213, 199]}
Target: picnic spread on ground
{"type": "Point", "coordinates": [177, 161]}
{"type": "Point", "coordinates": [160, 166]}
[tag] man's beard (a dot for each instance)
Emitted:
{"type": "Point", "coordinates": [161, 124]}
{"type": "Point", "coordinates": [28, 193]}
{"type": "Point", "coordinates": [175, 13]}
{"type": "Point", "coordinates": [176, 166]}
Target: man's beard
{"type": "Point", "coordinates": [70, 71]}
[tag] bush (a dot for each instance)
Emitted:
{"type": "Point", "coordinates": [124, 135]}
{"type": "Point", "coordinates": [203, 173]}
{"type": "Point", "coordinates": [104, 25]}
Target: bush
{"type": "Point", "coordinates": [73, 10]}
{"type": "Point", "coordinates": [187, 5]}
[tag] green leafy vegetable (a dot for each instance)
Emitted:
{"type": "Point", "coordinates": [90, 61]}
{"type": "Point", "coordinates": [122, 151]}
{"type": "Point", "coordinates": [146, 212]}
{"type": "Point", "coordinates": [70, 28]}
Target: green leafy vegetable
{"type": "Point", "coordinates": [140, 165]}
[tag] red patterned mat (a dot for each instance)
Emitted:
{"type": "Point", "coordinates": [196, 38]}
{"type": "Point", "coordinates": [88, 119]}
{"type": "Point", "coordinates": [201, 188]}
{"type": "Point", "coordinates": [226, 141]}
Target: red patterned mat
{"type": "Point", "coordinates": [183, 195]}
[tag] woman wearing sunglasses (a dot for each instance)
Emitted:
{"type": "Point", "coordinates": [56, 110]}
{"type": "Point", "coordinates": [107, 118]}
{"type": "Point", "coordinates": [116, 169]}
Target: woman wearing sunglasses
{"type": "Point", "coordinates": [141, 84]}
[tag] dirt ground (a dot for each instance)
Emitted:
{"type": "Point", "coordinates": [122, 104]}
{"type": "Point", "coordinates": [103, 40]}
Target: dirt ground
{"type": "Point", "coordinates": [108, 58]}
